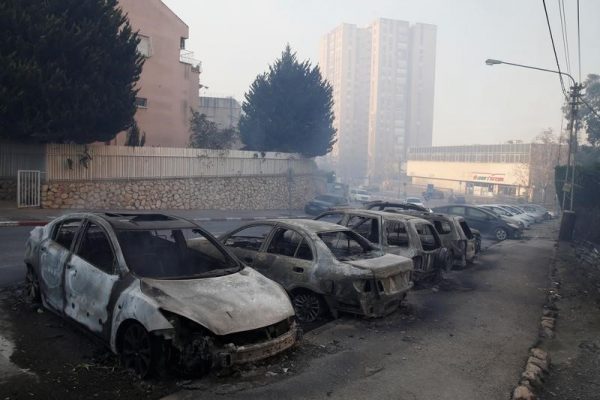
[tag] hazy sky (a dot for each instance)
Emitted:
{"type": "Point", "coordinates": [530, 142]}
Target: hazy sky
{"type": "Point", "coordinates": [474, 103]}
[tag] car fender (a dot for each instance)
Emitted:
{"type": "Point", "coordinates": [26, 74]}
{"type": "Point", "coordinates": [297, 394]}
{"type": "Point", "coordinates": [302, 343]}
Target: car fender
{"type": "Point", "coordinates": [133, 304]}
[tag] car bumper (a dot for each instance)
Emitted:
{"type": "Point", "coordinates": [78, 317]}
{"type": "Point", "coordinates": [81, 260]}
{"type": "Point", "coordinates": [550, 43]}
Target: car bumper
{"type": "Point", "coordinates": [233, 355]}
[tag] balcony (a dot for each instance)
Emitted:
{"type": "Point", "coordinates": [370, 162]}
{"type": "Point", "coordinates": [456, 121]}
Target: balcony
{"type": "Point", "coordinates": [187, 57]}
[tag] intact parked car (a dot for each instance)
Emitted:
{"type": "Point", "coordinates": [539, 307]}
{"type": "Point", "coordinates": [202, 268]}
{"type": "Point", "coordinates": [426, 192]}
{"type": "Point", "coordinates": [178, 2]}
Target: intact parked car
{"type": "Point", "coordinates": [326, 268]}
{"type": "Point", "coordinates": [538, 214]}
{"type": "Point", "coordinates": [524, 223]}
{"type": "Point", "coordinates": [519, 213]}
{"type": "Point", "coordinates": [360, 195]}
{"type": "Point", "coordinates": [485, 221]}
{"type": "Point", "coordinates": [399, 234]}
{"type": "Point", "coordinates": [393, 205]}
{"type": "Point", "coordinates": [324, 203]}
{"type": "Point", "coordinates": [457, 237]}
{"type": "Point", "coordinates": [159, 290]}
{"type": "Point", "coordinates": [415, 200]}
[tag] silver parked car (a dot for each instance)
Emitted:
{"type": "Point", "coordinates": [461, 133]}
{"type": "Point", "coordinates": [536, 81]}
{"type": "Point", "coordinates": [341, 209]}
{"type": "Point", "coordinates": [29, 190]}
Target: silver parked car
{"type": "Point", "coordinates": [324, 267]}
{"type": "Point", "coordinates": [159, 290]}
{"type": "Point", "coordinates": [404, 235]}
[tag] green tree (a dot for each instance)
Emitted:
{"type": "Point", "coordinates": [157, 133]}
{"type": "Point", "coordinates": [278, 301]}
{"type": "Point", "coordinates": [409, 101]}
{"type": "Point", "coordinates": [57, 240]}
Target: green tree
{"type": "Point", "coordinates": [67, 70]}
{"type": "Point", "coordinates": [205, 134]}
{"type": "Point", "coordinates": [589, 114]}
{"type": "Point", "coordinates": [133, 138]}
{"type": "Point", "coordinates": [289, 109]}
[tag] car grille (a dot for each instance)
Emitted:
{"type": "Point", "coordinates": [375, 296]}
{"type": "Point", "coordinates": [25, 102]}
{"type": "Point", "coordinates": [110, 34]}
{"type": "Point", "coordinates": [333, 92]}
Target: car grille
{"type": "Point", "coordinates": [256, 335]}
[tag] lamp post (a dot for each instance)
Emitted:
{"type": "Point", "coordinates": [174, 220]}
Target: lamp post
{"type": "Point", "coordinates": [568, 218]}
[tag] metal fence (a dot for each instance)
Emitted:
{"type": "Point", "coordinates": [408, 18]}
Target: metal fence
{"type": "Point", "coordinates": [73, 162]}
{"type": "Point", "coordinates": [18, 156]}
{"type": "Point", "coordinates": [28, 188]}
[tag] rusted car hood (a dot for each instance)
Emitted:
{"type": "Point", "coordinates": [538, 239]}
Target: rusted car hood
{"type": "Point", "coordinates": [227, 304]}
{"type": "Point", "coordinates": [384, 266]}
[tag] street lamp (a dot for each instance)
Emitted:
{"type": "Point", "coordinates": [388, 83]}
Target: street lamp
{"type": "Point", "coordinates": [568, 219]}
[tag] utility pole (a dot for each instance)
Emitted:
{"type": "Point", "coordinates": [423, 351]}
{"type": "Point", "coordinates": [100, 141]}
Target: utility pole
{"type": "Point", "coordinates": [573, 127]}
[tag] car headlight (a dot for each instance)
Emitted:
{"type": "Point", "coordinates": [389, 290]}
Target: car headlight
{"type": "Point", "coordinates": [513, 226]}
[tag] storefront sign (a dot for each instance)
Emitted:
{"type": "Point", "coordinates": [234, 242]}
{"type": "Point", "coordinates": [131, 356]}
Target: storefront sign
{"type": "Point", "coordinates": [488, 177]}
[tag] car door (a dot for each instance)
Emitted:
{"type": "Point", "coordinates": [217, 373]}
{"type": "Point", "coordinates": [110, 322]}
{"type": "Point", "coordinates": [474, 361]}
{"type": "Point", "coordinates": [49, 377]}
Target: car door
{"type": "Point", "coordinates": [55, 252]}
{"type": "Point", "coordinates": [90, 276]}
{"type": "Point", "coordinates": [288, 258]}
{"type": "Point", "coordinates": [430, 244]}
{"type": "Point", "coordinates": [480, 220]}
{"type": "Point", "coordinates": [246, 242]}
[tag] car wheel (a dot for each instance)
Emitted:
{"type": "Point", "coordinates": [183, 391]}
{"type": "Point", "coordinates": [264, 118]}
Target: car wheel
{"type": "Point", "coordinates": [500, 234]}
{"type": "Point", "coordinates": [449, 261]}
{"type": "Point", "coordinates": [137, 350]}
{"type": "Point", "coordinates": [308, 305]}
{"type": "Point", "coordinates": [32, 286]}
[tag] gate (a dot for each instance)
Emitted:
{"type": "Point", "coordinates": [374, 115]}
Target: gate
{"type": "Point", "coordinates": [28, 188]}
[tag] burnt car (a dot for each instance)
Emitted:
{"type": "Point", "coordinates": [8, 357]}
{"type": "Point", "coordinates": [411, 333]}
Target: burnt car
{"type": "Point", "coordinates": [400, 234]}
{"type": "Point", "coordinates": [159, 290]}
{"type": "Point", "coordinates": [325, 268]}
{"type": "Point", "coordinates": [380, 205]}
{"type": "Point", "coordinates": [457, 237]}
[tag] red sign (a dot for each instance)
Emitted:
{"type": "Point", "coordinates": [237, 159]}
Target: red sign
{"type": "Point", "coordinates": [488, 177]}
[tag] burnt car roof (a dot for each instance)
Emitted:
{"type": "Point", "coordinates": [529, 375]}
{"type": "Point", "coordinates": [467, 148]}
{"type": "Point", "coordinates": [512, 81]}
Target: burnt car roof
{"type": "Point", "coordinates": [398, 204]}
{"type": "Point", "coordinates": [384, 214]}
{"type": "Point", "coordinates": [143, 221]}
{"type": "Point", "coordinates": [309, 224]}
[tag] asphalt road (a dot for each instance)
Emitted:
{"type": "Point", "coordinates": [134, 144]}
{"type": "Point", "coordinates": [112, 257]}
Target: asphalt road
{"type": "Point", "coordinates": [12, 247]}
{"type": "Point", "coordinates": [466, 339]}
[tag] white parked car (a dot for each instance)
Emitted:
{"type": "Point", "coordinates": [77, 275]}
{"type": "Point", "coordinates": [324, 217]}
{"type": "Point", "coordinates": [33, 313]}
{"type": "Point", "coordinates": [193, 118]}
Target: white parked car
{"type": "Point", "coordinates": [415, 200]}
{"type": "Point", "coordinates": [507, 215]}
{"type": "Point", "coordinates": [360, 195]}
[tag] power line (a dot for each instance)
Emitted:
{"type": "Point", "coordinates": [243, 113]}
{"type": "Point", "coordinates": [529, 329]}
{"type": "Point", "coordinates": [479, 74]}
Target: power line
{"type": "Point", "coordinates": [592, 109]}
{"type": "Point", "coordinates": [562, 84]}
{"type": "Point", "coordinates": [565, 36]}
{"type": "Point", "coordinates": [579, 41]}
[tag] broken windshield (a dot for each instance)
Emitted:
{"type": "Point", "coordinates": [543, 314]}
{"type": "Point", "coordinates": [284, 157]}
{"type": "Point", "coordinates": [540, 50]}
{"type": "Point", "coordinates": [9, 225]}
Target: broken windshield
{"type": "Point", "coordinates": [174, 254]}
{"type": "Point", "coordinates": [347, 245]}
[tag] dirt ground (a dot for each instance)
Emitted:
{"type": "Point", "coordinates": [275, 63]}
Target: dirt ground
{"type": "Point", "coordinates": [575, 351]}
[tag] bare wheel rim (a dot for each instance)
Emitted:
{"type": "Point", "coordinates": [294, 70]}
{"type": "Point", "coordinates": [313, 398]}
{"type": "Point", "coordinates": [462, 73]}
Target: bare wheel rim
{"type": "Point", "coordinates": [32, 285]}
{"type": "Point", "coordinates": [501, 234]}
{"type": "Point", "coordinates": [307, 306]}
{"type": "Point", "coordinates": [137, 350]}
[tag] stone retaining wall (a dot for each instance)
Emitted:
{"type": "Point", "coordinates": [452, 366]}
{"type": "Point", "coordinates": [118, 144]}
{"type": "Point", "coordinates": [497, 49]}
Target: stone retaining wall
{"type": "Point", "coordinates": [8, 189]}
{"type": "Point", "coordinates": [223, 193]}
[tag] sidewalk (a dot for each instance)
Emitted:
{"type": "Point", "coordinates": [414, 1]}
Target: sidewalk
{"type": "Point", "coordinates": [37, 216]}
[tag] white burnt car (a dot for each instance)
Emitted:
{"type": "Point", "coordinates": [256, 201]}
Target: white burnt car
{"type": "Point", "coordinates": [159, 290]}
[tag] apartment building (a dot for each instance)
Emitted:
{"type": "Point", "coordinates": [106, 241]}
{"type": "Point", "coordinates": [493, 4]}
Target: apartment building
{"type": "Point", "coordinates": [170, 79]}
{"type": "Point", "coordinates": [383, 78]}
{"type": "Point", "coordinates": [223, 111]}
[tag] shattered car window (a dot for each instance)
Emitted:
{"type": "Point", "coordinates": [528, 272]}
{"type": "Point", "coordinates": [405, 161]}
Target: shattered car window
{"type": "Point", "coordinates": [396, 234]}
{"type": "Point", "coordinates": [174, 254]}
{"type": "Point", "coordinates": [427, 236]}
{"type": "Point", "coordinates": [466, 229]}
{"type": "Point", "coordinates": [442, 227]}
{"type": "Point", "coordinates": [347, 245]}
{"type": "Point", "coordinates": [250, 238]}
{"type": "Point", "coordinates": [95, 248]}
{"type": "Point", "coordinates": [334, 218]}
{"type": "Point", "coordinates": [65, 233]}
{"type": "Point", "coordinates": [366, 227]}
{"type": "Point", "coordinates": [285, 242]}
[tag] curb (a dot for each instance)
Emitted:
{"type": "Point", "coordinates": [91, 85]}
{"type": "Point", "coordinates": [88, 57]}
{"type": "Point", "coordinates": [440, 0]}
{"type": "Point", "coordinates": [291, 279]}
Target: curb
{"type": "Point", "coordinates": [11, 224]}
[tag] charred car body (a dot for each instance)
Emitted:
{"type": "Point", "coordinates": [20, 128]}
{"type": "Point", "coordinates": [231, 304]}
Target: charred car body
{"type": "Point", "coordinates": [399, 234]}
{"type": "Point", "coordinates": [457, 237]}
{"type": "Point", "coordinates": [159, 290]}
{"type": "Point", "coordinates": [324, 267]}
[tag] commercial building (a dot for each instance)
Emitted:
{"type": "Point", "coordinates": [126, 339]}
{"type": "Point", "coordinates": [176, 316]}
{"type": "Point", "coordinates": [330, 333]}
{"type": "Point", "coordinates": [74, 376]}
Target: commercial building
{"type": "Point", "coordinates": [383, 79]}
{"type": "Point", "coordinates": [224, 111]}
{"type": "Point", "coordinates": [170, 79]}
{"type": "Point", "coordinates": [519, 169]}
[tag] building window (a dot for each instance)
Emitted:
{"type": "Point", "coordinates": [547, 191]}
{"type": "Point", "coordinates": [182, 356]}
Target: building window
{"type": "Point", "coordinates": [141, 102]}
{"type": "Point", "coordinates": [144, 47]}
{"type": "Point", "coordinates": [182, 43]}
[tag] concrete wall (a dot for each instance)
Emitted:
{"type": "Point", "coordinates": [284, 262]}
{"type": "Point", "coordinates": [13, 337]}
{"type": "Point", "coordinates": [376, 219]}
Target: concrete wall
{"type": "Point", "coordinates": [218, 193]}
